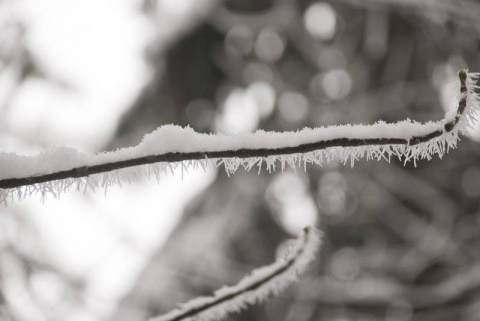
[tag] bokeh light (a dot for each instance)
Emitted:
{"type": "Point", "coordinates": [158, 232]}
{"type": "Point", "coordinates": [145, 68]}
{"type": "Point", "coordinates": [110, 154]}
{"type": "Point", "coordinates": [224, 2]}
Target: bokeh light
{"type": "Point", "coordinates": [320, 21]}
{"type": "Point", "coordinates": [269, 45]}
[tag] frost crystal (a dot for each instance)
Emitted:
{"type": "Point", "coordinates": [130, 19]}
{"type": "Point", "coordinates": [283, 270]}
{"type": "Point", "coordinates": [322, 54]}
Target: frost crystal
{"type": "Point", "coordinates": [257, 287]}
{"type": "Point", "coordinates": [172, 146]}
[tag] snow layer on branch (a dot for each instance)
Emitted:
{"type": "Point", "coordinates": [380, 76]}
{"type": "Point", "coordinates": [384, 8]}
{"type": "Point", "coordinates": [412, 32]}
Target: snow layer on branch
{"type": "Point", "coordinates": [172, 138]}
{"type": "Point", "coordinates": [175, 139]}
{"type": "Point", "coordinates": [257, 287]}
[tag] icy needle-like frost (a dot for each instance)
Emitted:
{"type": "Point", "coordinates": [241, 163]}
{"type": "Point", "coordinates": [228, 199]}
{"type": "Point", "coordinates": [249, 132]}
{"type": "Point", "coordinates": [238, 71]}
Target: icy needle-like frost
{"type": "Point", "coordinates": [52, 172]}
{"type": "Point", "coordinates": [257, 287]}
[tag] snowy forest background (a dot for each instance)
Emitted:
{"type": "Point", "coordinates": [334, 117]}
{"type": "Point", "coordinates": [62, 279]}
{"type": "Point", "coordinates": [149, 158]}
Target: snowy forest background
{"type": "Point", "coordinates": [400, 242]}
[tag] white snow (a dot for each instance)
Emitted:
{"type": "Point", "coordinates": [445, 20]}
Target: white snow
{"type": "Point", "coordinates": [273, 278]}
{"type": "Point", "coordinates": [171, 138]}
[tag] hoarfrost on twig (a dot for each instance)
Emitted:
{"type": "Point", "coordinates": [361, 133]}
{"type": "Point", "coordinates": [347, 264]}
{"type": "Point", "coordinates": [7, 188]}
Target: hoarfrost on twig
{"type": "Point", "coordinates": [256, 287]}
{"type": "Point", "coordinates": [172, 146]}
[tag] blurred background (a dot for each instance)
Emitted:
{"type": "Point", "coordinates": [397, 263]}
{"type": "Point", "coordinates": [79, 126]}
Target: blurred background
{"type": "Point", "coordinates": [401, 242]}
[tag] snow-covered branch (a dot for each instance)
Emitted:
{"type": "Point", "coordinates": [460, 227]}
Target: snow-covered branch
{"type": "Point", "coordinates": [172, 146]}
{"type": "Point", "coordinates": [257, 287]}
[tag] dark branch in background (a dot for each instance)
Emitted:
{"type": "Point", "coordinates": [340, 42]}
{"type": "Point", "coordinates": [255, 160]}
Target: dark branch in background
{"type": "Point", "coordinates": [459, 286]}
{"type": "Point", "coordinates": [462, 12]}
{"type": "Point", "coordinates": [243, 153]}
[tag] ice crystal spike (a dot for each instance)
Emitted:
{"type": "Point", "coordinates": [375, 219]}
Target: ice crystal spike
{"type": "Point", "coordinates": [257, 287]}
{"type": "Point", "coordinates": [172, 146]}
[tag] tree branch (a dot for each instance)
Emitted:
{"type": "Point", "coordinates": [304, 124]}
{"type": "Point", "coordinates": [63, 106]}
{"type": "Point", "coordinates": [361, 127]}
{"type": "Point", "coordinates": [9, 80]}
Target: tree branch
{"type": "Point", "coordinates": [400, 145]}
{"type": "Point", "coordinates": [260, 284]}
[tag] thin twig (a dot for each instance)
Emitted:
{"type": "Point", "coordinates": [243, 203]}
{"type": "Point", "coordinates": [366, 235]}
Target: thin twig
{"type": "Point", "coordinates": [171, 157]}
{"type": "Point", "coordinates": [262, 283]}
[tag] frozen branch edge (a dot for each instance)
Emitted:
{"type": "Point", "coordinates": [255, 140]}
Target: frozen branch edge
{"type": "Point", "coordinates": [170, 146]}
{"type": "Point", "coordinates": [256, 287]}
